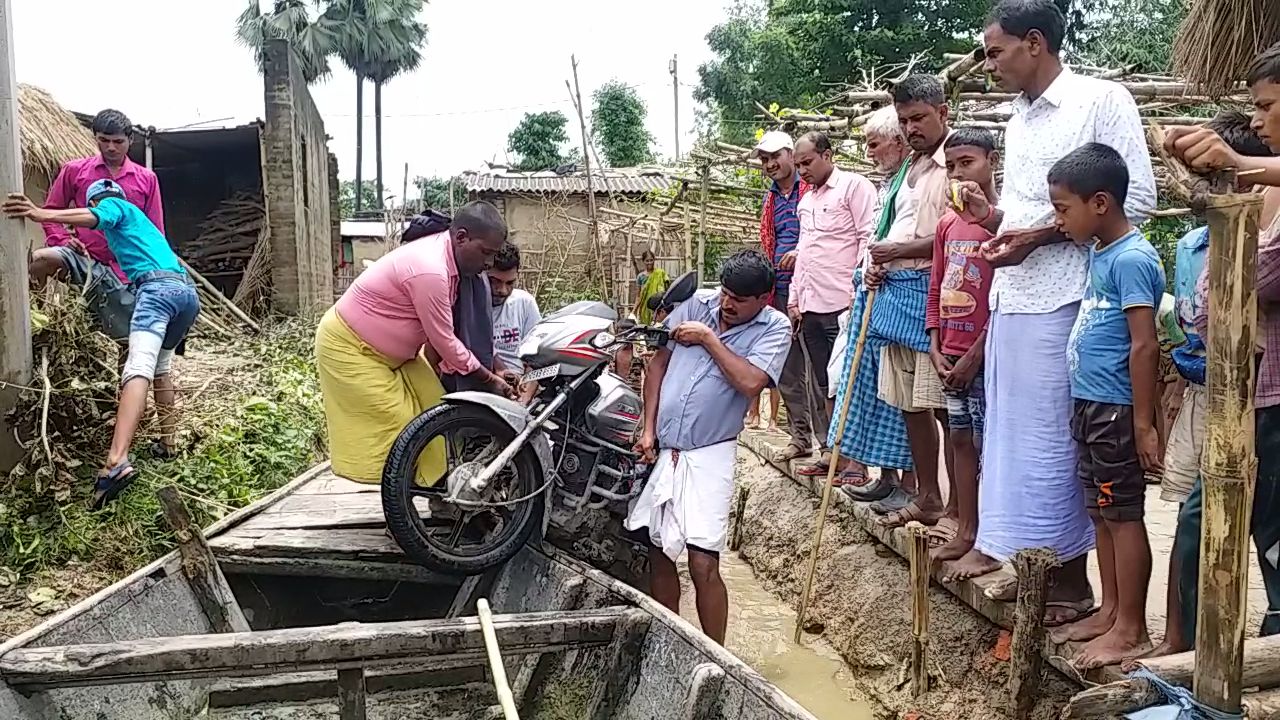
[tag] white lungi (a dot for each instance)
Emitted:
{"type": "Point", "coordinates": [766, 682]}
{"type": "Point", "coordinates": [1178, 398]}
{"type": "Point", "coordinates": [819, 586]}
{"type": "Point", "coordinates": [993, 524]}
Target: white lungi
{"type": "Point", "coordinates": [687, 499]}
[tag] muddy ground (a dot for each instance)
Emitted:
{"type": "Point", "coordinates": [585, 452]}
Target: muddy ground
{"type": "Point", "coordinates": [861, 598]}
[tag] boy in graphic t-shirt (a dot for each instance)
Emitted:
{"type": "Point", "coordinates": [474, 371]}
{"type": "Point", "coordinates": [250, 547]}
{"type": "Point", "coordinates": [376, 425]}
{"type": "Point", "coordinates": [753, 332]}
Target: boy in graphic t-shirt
{"type": "Point", "coordinates": [1113, 357]}
{"type": "Point", "coordinates": [514, 312]}
{"type": "Point", "coordinates": [956, 319]}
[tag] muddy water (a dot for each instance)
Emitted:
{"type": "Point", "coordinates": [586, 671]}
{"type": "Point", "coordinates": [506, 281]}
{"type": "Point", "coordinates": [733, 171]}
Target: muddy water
{"type": "Point", "coordinates": [760, 632]}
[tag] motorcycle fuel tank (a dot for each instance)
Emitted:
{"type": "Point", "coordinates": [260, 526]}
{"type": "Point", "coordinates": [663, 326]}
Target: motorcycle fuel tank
{"type": "Point", "coordinates": [615, 414]}
{"type": "Point", "coordinates": [564, 339]}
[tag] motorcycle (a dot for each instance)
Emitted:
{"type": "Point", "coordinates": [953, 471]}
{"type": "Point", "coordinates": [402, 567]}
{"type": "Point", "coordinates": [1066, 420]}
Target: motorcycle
{"type": "Point", "coordinates": [511, 469]}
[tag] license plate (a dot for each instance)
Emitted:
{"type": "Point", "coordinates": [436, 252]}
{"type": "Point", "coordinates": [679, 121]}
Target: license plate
{"type": "Point", "coordinates": [549, 371]}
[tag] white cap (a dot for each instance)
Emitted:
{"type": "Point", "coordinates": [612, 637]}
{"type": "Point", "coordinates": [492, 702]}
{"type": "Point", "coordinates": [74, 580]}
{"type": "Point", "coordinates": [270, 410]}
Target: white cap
{"type": "Point", "coordinates": [773, 141]}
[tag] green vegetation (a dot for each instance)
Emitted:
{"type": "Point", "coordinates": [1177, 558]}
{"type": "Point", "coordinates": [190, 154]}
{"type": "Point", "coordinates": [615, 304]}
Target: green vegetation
{"type": "Point", "coordinates": [538, 142]}
{"type": "Point", "coordinates": [617, 122]}
{"type": "Point", "coordinates": [251, 420]}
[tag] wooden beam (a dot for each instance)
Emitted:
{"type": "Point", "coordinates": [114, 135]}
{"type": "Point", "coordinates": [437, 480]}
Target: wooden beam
{"type": "Point", "coordinates": [1026, 659]}
{"type": "Point", "coordinates": [535, 670]}
{"type": "Point", "coordinates": [1111, 700]}
{"type": "Point", "coordinates": [919, 564]}
{"type": "Point", "coordinates": [1260, 661]}
{"type": "Point", "coordinates": [200, 568]}
{"type": "Point", "coordinates": [329, 568]}
{"type": "Point", "coordinates": [622, 659]}
{"type": "Point", "coordinates": [704, 699]}
{"type": "Point", "coordinates": [333, 647]}
{"type": "Point", "coordinates": [351, 693]}
{"type": "Point", "coordinates": [1230, 466]}
{"type": "Point", "coordinates": [471, 590]}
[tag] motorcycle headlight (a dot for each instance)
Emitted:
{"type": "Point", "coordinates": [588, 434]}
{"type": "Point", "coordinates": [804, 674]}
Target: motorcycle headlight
{"type": "Point", "coordinates": [602, 340]}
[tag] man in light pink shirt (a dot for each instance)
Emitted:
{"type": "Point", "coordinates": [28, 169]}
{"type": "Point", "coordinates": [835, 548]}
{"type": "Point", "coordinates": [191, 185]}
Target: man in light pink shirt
{"type": "Point", "coordinates": [67, 253]}
{"type": "Point", "coordinates": [836, 218]}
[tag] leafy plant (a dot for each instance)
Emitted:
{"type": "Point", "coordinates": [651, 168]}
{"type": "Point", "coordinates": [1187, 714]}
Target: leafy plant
{"type": "Point", "coordinates": [617, 121]}
{"type": "Point", "coordinates": [538, 141]}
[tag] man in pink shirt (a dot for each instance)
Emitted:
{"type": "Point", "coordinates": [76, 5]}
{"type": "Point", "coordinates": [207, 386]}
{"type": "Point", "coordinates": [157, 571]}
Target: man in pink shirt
{"type": "Point", "coordinates": [68, 254]}
{"type": "Point", "coordinates": [836, 218]}
{"type": "Point", "coordinates": [381, 349]}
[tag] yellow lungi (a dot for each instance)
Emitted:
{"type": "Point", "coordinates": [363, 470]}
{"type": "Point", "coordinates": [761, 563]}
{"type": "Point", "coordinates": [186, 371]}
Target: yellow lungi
{"type": "Point", "coordinates": [368, 399]}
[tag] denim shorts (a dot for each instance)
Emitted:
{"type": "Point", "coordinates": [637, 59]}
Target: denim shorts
{"type": "Point", "coordinates": [967, 408]}
{"type": "Point", "coordinates": [166, 305]}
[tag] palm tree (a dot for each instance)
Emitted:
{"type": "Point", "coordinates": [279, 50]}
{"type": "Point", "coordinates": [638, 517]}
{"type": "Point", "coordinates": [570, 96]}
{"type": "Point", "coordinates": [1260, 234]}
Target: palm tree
{"type": "Point", "coordinates": [376, 39]}
{"type": "Point", "coordinates": [289, 20]}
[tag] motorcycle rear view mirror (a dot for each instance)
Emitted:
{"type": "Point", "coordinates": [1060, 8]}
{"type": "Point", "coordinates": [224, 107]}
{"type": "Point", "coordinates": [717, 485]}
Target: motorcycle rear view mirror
{"type": "Point", "coordinates": [682, 289]}
{"type": "Point", "coordinates": [602, 340]}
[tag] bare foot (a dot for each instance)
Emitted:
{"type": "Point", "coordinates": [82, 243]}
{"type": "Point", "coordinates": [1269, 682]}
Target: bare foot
{"type": "Point", "coordinates": [773, 427]}
{"type": "Point", "coordinates": [973, 564]}
{"type": "Point", "coordinates": [1089, 628]}
{"type": "Point", "coordinates": [753, 421]}
{"type": "Point", "coordinates": [1111, 647]}
{"type": "Point", "coordinates": [954, 550]}
{"type": "Point", "coordinates": [1165, 648]}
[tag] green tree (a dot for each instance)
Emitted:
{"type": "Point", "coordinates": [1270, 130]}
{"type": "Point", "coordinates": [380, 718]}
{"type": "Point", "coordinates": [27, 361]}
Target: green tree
{"type": "Point", "coordinates": [538, 141]}
{"type": "Point", "coordinates": [793, 51]}
{"type": "Point", "coordinates": [434, 193]}
{"type": "Point", "coordinates": [617, 122]}
{"type": "Point", "coordinates": [292, 20]}
{"type": "Point", "coordinates": [376, 40]}
{"type": "Point", "coordinates": [347, 197]}
{"type": "Point", "coordinates": [1131, 33]}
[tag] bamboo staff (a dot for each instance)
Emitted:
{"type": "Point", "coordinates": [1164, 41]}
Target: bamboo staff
{"type": "Point", "coordinates": [919, 559]}
{"type": "Point", "coordinates": [821, 520]}
{"type": "Point", "coordinates": [500, 684]}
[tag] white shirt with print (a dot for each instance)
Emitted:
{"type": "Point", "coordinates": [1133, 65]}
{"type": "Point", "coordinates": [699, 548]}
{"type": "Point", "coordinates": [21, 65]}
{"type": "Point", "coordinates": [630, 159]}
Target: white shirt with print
{"type": "Point", "coordinates": [512, 322]}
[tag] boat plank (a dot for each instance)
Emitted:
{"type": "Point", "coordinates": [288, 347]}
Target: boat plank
{"type": "Point", "coordinates": [349, 645]}
{"type": "Point", "coordinates": [330, 484]}
{"type": "Point", "coordinates": [350, 544]}
{"type": "Point", "coordinates": [339, 505]}
{"type": "Point", "coordinates": [200, 567]}
{"type": "Point", "coordinates": [329, 568]}
{"type": "Point", "coordinates": [304, 520]}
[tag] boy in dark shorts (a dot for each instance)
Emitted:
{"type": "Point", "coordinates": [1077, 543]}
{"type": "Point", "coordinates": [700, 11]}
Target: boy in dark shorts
{"type": "Point", "coordinates": [956, 317]}
{"type": "Point", "coordinates": [1114, 358]}
{"type": "Point", "coordinates": [166, 306]}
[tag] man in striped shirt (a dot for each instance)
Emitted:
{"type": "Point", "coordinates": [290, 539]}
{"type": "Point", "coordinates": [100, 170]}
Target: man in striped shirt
{"type": "Point", "coordinates": [779, 236]}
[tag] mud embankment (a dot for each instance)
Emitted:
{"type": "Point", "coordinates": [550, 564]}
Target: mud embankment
{"type": "Point", "coordinates": [861, 598]}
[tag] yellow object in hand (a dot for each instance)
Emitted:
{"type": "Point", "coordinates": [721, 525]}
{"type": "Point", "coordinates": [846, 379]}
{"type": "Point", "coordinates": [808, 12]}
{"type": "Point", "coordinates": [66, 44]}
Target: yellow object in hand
{"type": "Point", "coordinates": [956, 198]}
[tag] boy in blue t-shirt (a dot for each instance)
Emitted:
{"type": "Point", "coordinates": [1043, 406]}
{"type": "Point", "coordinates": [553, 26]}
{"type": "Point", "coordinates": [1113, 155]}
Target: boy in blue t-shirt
{"type": "Point", "coordinates": [1114, 356]}
{"type": "Point", "coordinates": [165, 307]}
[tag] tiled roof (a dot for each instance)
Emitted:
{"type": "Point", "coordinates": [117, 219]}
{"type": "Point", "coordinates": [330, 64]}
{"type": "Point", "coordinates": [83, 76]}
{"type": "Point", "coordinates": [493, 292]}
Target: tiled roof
{"type": "Point", "coordinates": [626, 182]}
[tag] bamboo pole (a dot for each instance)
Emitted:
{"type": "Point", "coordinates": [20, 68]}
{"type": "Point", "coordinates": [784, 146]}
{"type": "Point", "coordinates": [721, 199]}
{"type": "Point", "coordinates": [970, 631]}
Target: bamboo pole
{"type": "Point", "coordinates": [702, 225]}
{"type": "Point", "coordinates": [575, 92]}
{"type": "Point", "coordinates": [500, 684]}
{"type": "Point", "coordinates": [1026, 655]}
{"type": "Point", "coordinates": [821, 521]}
{"type": "Point", "coordinates": [918, 557]}
{"type": "Point", "coordinates": [1229, 467]}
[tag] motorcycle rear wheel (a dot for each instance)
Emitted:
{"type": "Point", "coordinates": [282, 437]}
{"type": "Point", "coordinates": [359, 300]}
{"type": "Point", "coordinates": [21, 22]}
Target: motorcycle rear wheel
{"type": "Point", "coordinates": [399, 489]}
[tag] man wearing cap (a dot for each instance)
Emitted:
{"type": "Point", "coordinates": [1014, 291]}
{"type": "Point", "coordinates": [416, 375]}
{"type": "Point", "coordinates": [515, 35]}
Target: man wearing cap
{"type": "Point", "coordinates": [70, 256]}
{"type": "Point", "coordinates": [779, 236]}
{"type": "Point", "coordinates": [166, 306]}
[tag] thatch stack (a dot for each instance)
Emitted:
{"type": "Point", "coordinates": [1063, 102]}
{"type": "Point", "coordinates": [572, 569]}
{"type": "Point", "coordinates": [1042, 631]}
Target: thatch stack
{"type": "Point", "coordinates": [50, 135]}
{"type": "Point", "coordinates": [1219, 39]}
{"type": "Point", "coordinates": [227, 236]}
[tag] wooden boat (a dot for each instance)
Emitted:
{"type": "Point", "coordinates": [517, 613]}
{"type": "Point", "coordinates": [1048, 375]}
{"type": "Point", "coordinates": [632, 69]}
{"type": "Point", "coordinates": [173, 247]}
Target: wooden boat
{"type": "Point", "coordinates": [300, 607]}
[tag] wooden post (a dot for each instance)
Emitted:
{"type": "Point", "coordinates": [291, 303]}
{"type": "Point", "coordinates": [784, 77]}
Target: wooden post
{"type": "Point", "coordinates": [1026, 654]}
{"type": "Point", "coordinates": [594, 225]}
{"type": "Point", "coordinates": [675, 102]}
{"type": "Point", "coordinates": [201, 568]}
{"type": "Point", "coordinates": [740, 508]}
{"type": "Point", "coordinates": [688, 239]}
{"type": "Point", "coordinates": [1114, 699]}
{"type": "Point", "coordinates": [351, 694]}
{"type": "Point", "coordinates": [15, 321]}
{"type": "Point", "coordinates": [702, 225]}
{"type": "Point", "coordinates": [918, 556]}
{"type": "Point", "coordinates": [1229, 467]}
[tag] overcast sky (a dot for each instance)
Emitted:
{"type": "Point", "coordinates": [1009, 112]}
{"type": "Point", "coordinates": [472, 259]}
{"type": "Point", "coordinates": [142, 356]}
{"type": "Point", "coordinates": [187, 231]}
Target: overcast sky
{"type": "Point", "coordinates": [169, 63]}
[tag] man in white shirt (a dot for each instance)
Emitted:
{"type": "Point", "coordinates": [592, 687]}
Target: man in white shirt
{"type": "Point", "coordinates": [1030, 495]}
{"type": "Point", "coordinates": [515, 311]}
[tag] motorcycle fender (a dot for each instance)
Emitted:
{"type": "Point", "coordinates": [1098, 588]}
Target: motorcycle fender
{"type": "Point", "coordinates": [517, 416]}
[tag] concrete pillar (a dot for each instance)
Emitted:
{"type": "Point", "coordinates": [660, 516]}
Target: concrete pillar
{"type": "Point", "coordinates": [15, 320]}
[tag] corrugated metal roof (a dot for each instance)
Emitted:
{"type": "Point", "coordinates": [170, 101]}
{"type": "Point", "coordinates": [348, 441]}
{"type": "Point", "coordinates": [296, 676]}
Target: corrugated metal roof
{"type": "Point", "coordinates": [626, 182]}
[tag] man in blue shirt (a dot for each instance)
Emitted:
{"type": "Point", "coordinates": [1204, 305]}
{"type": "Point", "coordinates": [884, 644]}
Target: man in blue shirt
{"type": "Point", "coordinates": [165, 307]}
{"type": "Point", "coordinates": [728, 346]}
{"type": "Point", "coordinates": [1113, 357]}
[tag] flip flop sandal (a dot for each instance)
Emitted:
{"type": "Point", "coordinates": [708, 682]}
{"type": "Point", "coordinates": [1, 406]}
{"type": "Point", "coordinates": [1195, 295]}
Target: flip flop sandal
{"type": "Point", "coordinates": [1081, 609]}
{"type": "Point", "coordinates": [900, 518]}
{"type": "Point", "coordinates": [850, 478]}
{"type": "Point", "coordinates": [943, 532]}
{"type": "Point", "coordinates": [895, 500]}
{"type": "Point", "coordinates": [791, 452]}
{"type": "Point", "coordinates": [113, 482]}
{"type": "Point", "coordinates": [874, 490]}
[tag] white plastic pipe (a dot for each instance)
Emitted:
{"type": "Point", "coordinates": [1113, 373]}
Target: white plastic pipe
{"type": "Point", "coordinates": [505, 698]}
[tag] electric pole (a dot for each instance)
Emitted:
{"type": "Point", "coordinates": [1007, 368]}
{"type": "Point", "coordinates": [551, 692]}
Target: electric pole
{"type": "Point", "coordinates": [675, 91]}
{"type": "Point", "coordinates": [15, 317]}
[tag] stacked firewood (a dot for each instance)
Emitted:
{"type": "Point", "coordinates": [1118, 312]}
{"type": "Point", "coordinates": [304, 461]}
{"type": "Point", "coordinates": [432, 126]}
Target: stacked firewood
{"type": "Point", "coordinates": [228, 235]}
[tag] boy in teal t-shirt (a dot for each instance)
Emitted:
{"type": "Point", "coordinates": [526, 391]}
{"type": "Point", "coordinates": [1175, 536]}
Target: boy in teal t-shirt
{"type": "Point", "coordinates": [165, 307]}
{"type": "Point", "coordinates": [1113, 356]}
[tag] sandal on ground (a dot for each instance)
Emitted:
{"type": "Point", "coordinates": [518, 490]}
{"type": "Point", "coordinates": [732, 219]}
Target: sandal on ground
{"type": "Point", "coordinates": [943, 532]}
{"type": "Point", "coordinates": [872, 491]}
{"type": "Point", "coordinates": [850, 478]}
{"type": "Point", "coordinates": [816, 469]}
{"type": "Point", "coordinates": [900, 518]}
{"type": "Point", "coordinates": [1077, 611]}
{"type": "Point", "coordinates": [896, 500]}
{"type": "Point", "coordinates": [791, 452]}
{"type": "Point", "coordinates": [111, 483]}
{"type": "Point", "coordinates": [161, 451]}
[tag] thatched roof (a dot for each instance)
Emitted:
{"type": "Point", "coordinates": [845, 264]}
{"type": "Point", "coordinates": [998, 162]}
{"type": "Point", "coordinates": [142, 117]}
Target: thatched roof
{"type": "Point", "coordinates": [50, 134]}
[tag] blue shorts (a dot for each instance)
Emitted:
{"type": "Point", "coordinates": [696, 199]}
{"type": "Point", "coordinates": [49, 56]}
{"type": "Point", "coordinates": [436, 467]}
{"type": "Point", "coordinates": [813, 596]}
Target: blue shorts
{"type": "Point", "coordinates": [166, 305]}
{"type": "Point", "coordinates": [967, 409]}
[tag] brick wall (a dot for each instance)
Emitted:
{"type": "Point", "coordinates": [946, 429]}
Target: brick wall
{"type": "Point", "coordinates": [296, 176]}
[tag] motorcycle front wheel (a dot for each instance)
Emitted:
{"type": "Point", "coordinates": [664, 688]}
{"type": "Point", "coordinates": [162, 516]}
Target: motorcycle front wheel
{"type": "Point", "coordinates": [449, 538]}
